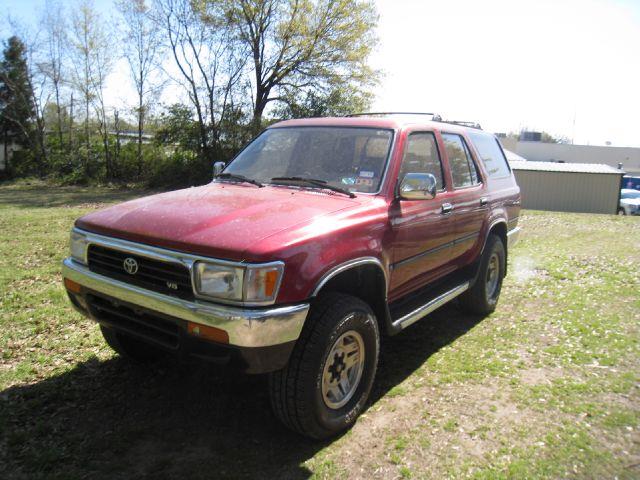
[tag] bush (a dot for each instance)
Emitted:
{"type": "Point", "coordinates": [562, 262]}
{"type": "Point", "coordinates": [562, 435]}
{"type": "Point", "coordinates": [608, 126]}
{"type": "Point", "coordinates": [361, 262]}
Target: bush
{"type": "Point", "coordinates": [181, 168]}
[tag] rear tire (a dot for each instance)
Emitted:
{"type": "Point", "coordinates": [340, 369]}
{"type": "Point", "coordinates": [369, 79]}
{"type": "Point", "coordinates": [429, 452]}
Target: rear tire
{"type": "Point", "coordinates": [326, 384]}
{"type": "Point", "coordinates": [482, 297]}
{"type": "Point", "coordinates": [129, 347]}
{"type": "Point", "coordinates": [621, 211]}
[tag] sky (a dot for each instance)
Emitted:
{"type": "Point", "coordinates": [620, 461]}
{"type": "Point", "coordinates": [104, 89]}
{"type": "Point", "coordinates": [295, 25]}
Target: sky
{"type": "Point", "coordinates": [569, 67]}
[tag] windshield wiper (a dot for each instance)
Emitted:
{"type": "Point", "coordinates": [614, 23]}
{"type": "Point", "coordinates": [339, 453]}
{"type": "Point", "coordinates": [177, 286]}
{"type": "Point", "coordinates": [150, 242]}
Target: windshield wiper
{"type": "Point", "coordinates": [240, 178]}
{"type": "Point", "coordinates": [314, 182]}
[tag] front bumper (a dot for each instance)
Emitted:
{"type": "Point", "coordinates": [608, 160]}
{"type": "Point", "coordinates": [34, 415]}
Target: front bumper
{"type": "Point", "coordinates": [250, 330]}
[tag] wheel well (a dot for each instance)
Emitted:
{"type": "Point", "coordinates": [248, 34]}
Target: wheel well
{"type": "Point", "coordinates": [366, 282]}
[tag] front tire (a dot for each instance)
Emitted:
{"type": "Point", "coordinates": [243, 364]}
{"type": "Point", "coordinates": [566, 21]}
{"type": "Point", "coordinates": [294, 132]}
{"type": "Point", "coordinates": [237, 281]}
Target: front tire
{"type": "Point", "coordinates": [621, 211]}
{"type": "Point", "coordinates": [482, 297]}
{"type": "Point", "coordinates": [326, 384]}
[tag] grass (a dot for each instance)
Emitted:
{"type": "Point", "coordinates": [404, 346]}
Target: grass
{"type": "Point", "coordinates": [546, 387]}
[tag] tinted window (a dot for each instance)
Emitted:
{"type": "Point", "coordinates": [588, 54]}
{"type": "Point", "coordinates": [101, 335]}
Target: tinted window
{"type": "Point", "coordinates": [463, 170]}
{"type": "Point", "coordinates": [491, 154]}
{"type": "Point", "coordinates": [352, 158]}
{"type": "Point", "coordinates": [421, 156]}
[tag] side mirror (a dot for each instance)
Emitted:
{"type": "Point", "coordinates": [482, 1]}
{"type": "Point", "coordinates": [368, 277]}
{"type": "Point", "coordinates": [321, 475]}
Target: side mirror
{"type": "Point", "coordinates": [217, 168]}
{"type": "Point", "coordinates": [418, 186]}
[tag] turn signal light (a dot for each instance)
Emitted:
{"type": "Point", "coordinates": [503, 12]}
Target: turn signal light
{"type": "Point", "coordinates": [207, 333]}
{"type": "Point", "coordinates": [270, 281]}
{"type": "Point", "coordinates": [72, 286]}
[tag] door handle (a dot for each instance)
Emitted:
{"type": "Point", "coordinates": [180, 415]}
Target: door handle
{"type": "Point", "coordinates": [483, 201]}
{"type": "Point", "coordinates": [447, 208]}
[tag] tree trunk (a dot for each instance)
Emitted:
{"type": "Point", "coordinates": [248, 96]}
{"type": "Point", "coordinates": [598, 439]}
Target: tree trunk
{"type": "Point", "coordinates": [59, 113]}
{"type": "Point", "coordinates": [6, 150]}
{"type": "Point", "coordinates": [86, 133]}
{"type": "Point", "coordinates": [116, 155]}
{"type": "Point", "coordinates": [140, 128]}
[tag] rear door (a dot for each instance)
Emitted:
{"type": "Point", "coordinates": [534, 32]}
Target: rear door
{"type": "Point", "coordinates": [469, 201]}
{"type": "Point", "coordinates": [422, 233]}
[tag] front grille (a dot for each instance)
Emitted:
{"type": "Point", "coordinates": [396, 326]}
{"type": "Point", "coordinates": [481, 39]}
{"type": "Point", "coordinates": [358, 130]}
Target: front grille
{"type": "Point", "coordinates": [164, 277]}
{"type": "Point", "coordinates": [137, 322]}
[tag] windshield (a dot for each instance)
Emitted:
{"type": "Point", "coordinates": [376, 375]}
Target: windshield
{"type": "Point", "coordinates": [628, 195]}
{"type": "Point", "coordinates": [350, 158]}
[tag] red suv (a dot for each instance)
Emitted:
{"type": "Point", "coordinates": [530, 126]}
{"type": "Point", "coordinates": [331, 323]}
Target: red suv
{"type": "Point", "coordinates": [317, 240]}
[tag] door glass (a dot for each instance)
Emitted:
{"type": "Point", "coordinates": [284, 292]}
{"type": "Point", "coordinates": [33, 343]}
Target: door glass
{"type": "Point", "coordinates": [463, 170]}
{"type": "Point", "coordinates": [494, 161]}
{"type": "Point", "coordinates": [421, 156]}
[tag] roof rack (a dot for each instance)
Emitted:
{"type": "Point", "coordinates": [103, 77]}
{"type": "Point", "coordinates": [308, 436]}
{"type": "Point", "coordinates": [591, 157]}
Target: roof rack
{"type": "Point", "coordinates": [463, 123]}
{"type": "Point", "coordinates": [370, 114]}
{"type": "Point", "coordinates": [434, 117]}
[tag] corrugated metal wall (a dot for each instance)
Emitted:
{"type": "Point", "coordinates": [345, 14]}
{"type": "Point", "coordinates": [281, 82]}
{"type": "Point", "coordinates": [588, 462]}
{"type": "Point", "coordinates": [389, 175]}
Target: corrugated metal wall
{"type": "Point", "coordinates": [569, 192]}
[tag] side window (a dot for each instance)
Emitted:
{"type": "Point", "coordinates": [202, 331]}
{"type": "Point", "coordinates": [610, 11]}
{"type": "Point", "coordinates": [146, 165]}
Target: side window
{"type": "Point", "coordinates": [491, 154]}
{"type": "Point", "coordinates": [421, 156]}
{"type": "Point", "coordinates": [463, 170]}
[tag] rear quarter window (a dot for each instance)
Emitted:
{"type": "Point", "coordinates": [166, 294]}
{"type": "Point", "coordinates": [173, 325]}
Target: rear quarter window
{"type": "Point", "coordinates": [491, 154]}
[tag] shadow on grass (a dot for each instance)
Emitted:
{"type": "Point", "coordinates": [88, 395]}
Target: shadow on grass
{"type": "Point", "coordinates": [41, 195]}
{"type": "Point", "coordinates": [116, 420]}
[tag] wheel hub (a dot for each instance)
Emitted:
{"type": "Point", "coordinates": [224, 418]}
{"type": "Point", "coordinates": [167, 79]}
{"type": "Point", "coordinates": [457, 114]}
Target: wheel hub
{"type": "Point", "coordinates": [343, 369]}
{"type": "Point", "coordinates": [493, 276]}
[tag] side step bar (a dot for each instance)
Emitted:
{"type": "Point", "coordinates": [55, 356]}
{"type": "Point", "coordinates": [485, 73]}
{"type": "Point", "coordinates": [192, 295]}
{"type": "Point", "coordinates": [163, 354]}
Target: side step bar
{"type": "Point", "coordinates": [430, 306]}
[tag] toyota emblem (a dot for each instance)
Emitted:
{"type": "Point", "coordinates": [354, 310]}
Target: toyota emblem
{"type": "Point", "coordinates": [130, 265]}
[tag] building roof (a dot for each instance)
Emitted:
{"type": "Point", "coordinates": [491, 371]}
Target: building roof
{"type": "Point", "coordinates": [565, 167]}
{"type": "Point", "coordinates": [513, 157]}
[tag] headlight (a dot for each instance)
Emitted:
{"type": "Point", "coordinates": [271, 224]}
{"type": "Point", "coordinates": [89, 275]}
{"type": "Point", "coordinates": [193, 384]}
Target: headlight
{"type": "Point", "coordinates": [256, 284]}
{"type": "Point", "coordinates": [78, 247]}
{"type": "Point", "coordinates": [219, 281]}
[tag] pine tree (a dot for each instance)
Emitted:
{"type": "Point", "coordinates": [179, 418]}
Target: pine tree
{"type": "Point", "coordinates": [17, 110]}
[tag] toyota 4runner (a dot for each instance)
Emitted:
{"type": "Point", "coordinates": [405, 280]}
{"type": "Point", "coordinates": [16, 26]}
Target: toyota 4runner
{"type": "Point", "coordinates": [317, 240]}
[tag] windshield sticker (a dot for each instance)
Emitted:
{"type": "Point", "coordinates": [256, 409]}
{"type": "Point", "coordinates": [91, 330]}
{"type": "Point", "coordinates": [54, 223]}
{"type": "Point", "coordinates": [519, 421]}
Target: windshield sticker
{"type": "Point", "coordinates": [348, 180]}
{"type": "Point", "coordinates": [366, 174]}
{"type": "Point", "coordinates": [368, 182]}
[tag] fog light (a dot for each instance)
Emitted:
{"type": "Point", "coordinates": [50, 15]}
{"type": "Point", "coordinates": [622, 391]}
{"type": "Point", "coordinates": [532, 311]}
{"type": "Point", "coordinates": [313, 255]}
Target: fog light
{"type": "Point", "coordinates": [207, 333]}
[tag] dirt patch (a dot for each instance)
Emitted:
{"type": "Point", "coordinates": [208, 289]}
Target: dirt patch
{"type": "Point", "coordinates": [540, 376]}
{"type": "Point", "coordinates": [420, 430]}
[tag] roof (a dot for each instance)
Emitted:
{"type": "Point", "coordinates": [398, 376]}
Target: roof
{"type": "Point", "coordinates": [565, 167]}
{"type": "Point", "coordinates": [389, 121]}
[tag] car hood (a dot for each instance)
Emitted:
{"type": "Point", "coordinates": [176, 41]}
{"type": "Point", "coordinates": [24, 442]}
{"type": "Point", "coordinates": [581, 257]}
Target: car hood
{"type": "Point", "coordinates": [630, 201]}
{"type": "Point", "coordinates": [219, 220]}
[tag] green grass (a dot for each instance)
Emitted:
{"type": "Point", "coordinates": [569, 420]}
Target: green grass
{"type": "Point", "coordinates": [546, 387]}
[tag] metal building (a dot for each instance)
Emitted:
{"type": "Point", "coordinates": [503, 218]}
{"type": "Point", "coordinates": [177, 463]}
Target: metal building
{"type": "Point", "coordinates": [568, 187]}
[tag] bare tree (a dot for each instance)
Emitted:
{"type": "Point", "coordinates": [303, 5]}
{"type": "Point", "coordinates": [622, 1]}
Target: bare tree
{"type": "Point", "coordinates": [142, 45]}
{"type": "Point", "coordinates": [53, 25]}
{"type": "Point", "coordinates": [92, 60]}
{"type": "Point", "coordinates": [207, 63]}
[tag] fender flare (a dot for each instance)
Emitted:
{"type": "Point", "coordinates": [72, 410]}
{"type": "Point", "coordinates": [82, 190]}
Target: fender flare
{"type": "Point", "coordinates": [349, 264]}
{"type": "Point", "coordinates": [476, 263]}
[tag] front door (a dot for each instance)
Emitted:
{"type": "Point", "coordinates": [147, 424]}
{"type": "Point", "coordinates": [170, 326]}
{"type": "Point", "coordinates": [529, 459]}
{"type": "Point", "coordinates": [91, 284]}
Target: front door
{"type": "Point", "coordinates": [422, 230]}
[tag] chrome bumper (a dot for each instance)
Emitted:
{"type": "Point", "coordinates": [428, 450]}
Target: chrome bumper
{"type": "Point", "coordinates": [246, 327]}
{"type": "Point", "coordinates": [513, 236]}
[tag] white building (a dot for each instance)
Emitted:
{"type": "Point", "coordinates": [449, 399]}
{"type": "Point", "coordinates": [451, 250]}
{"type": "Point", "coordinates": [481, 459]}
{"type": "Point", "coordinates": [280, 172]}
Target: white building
{"type": "Point", "coordinates": [555, 152]}
{"type": "Point", "coordinates": [568, 187]}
